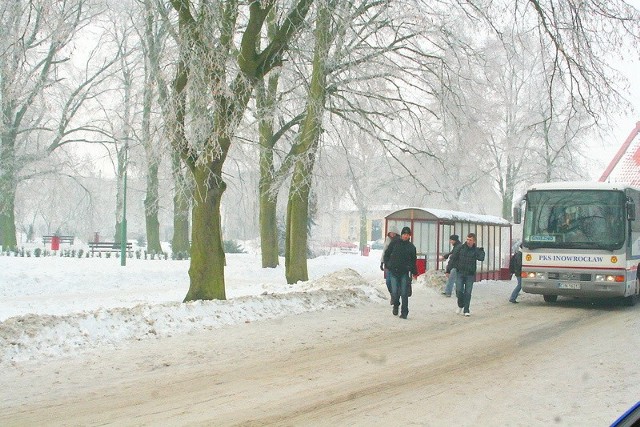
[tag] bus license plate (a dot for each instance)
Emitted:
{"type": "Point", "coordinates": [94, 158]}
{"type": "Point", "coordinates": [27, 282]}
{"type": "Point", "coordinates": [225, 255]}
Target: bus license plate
{"type": "Point", "coordinates": [569, 285]}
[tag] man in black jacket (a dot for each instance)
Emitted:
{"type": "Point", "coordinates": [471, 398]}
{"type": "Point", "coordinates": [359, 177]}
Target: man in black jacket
{"type": "Point", "coordinates": [515, 267]}
{"type": "Point", "coordinates": [392, 234]}
{"type": "Point", "coordinates": [400, 260]}
{"type": "Point", "coordinates": [465, 261]}
{"type": "Point", "coordinates": [451, 271]}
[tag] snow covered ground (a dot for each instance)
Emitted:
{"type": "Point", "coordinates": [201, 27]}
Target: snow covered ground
{"type": "Point", "coordinates": [51, 306]}
{"type": "Point", "coordinates": [72, 328]}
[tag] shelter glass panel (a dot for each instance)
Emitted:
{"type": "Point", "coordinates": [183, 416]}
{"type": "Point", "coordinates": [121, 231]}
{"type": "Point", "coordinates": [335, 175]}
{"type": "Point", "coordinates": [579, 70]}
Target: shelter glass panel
{"type": "Point", "coordinates": [392, 223]}
{"type": "Point", "coordinates": [485, 242]}
{"type": "Point", "coordinates": [446, 230]}
{"type": "Point", "coordinates": [421, 237]}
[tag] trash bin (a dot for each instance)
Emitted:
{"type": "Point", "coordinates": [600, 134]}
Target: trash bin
{"type": "Point", "coordinates": [366, 250]}
{"type": "Point", "coordinates": [55, 243]}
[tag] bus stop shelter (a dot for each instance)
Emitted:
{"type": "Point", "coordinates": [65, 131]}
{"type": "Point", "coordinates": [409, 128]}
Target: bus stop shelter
{"type": "Point", "coordinates": [431, 229]}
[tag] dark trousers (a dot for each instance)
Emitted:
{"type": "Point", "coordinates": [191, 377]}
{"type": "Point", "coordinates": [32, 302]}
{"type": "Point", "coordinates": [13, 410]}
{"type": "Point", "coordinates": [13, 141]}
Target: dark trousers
{"type": "Point", "coordinates": [400, 290]}
{"type": "Point", "coordinates": [464, 287]}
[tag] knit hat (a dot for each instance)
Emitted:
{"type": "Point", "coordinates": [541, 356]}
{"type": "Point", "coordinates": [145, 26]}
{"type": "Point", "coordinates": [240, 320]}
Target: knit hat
{"type": "Point", "coordinates": [454, 237]}
{"type": "Point", "coordinates": [406, 230]}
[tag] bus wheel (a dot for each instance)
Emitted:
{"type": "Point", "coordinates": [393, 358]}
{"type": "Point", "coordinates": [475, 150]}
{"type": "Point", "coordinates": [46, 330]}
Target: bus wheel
{"type": "Point", "coordinates": [550, 298]}
{"type": "Point", "coordinates": [631, 300]}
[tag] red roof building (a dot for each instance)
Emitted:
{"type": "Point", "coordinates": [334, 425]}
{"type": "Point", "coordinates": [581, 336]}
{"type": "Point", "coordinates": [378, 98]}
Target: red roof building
{"type": "Point", "coordinates": [625, 166]}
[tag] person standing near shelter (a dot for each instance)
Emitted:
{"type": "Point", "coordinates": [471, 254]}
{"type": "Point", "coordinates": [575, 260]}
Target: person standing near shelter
{"type": "Point", "coordinates": [465, 261]}
{"type": "Point", "coordinates": [515, 267]}
{"type": "Point", "coordinates": [400, 260]}
{"type": "Point", "coordinates": [451, 271]}
{"type": "Point", "coordinates": [392, 234]}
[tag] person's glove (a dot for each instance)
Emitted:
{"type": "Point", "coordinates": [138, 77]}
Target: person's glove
{"type": "Point", "coordinates": [382, 266]}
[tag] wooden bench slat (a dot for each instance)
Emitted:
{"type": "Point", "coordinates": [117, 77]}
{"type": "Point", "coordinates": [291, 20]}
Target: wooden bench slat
{"type": "Point", "coordinates": [63, 239]}
{"type": "Point", "coordinates": [108, 246]}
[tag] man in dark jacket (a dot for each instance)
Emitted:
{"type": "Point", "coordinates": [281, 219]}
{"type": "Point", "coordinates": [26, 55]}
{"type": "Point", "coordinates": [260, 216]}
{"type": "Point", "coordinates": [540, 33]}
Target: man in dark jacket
{"type": "Point", "coordinates": [392, 234]}
{"type": "Point", "coordinates": [451, 271]}
{"type": "Point", "coordinates": [465, 261]}
{"type": "Point", "coordinates": [515, 267]}
{"type": "Point", "coordinates": [400, 260]}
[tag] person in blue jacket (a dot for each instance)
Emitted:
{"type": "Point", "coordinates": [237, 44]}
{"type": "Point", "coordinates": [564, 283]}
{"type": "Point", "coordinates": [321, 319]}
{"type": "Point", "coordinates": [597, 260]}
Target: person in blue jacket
{"type": "Point", "coordinates": [400, 261]}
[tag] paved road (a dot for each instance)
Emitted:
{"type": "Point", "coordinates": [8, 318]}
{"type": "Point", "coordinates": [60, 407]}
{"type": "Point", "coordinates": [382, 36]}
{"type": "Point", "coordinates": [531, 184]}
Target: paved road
{"type": "Point", "coordinates": [570, 364]}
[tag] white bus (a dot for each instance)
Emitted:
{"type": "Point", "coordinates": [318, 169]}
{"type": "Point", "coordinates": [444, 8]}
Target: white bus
{"type": "Point", "coordinates": [580, 239]}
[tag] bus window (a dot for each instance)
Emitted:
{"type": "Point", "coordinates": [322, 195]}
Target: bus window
{"type": "Point", "coordinates": [581, 219]}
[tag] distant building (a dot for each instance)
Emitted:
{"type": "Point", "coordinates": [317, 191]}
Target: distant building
{"type": "Point", "coordinates": [343, 224]}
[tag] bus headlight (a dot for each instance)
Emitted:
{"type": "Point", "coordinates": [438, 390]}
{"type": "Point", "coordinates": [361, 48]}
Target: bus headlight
{"type": "Point", "coordinates": [534, 275]}
{"type": "Point", "coordinates": [609, 278]}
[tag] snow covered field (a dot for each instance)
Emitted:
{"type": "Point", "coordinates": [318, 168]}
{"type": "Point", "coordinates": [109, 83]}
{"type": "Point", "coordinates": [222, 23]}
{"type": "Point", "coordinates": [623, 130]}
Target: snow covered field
{"type": "Point", "coordinates": [57, 305]}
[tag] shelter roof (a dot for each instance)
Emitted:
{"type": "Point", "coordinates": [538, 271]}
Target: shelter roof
{"type": "Point", "coordinates": [580, 185]}
{"type": "Point", "coordinates": [431, 214]}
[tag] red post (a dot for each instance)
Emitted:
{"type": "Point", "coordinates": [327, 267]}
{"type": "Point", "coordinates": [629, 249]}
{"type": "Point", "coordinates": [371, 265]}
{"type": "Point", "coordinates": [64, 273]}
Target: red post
{"type": "Point", "coordinates": [55, 243]}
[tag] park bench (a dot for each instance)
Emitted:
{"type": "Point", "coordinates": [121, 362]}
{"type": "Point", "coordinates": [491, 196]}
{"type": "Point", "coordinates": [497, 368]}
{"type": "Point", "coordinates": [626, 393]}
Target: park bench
{"type": "Point", "coordinates": [63, 239]}
{"type": "Point", "coordinates": [108, 247]}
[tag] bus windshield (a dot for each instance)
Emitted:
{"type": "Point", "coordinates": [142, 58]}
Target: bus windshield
{"type": "Point", "coordinates": [574, 219]}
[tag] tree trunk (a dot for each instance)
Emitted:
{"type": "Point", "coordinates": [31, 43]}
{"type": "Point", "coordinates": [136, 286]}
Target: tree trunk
{"type": "Point", "coordinates": [297, 218]}
{"type": "Point", "coordinates": [507, 196]}
{"type": "Point", "coordinates": [207, 253]}
{"type": "Point", "coordinates": [268, 197]}
{"type": "Point", "coordinates": [8, 238]}
{"type": "Point", "coordinates": [363, 229]}
{"type": "Point", "coordinates": [265, 99]}
{"type": "Point", "coordinates": [8, 183]}
{"type": "Point", "coordinates": [152, 198]}
{"type": "Point", "coordinates": [298, 203]}
{"type": "Point", "coordinates": [120, 202]}
{"type": "Point", "coordinates": [180, 240]}
{"type": "Point", "coordinates": [151, 208]}
{"type": "Point", "coordinates": [268, 230]}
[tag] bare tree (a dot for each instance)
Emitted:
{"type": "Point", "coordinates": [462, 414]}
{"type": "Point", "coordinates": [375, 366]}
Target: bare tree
{"type": "Point", "coordinates": [508, 97]}
{"type": "Point", "coordinates": [35, 43]}
{"type": "Point", "coordinates": [362, 87]}
{"type": "Point", "coordinates": [152, 38]}
{"type": "Point", "coordinates": [266, 106]}
{"type": "Point", "coordinates": [546, 84]}
{"type": "Point", "coordinates": [306, 147]}
{"type": "Point", "coordinates": [221, 77]}
{"type": "Point", "coordinates": [160, 38]}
